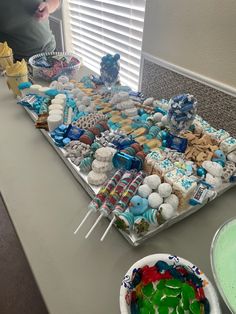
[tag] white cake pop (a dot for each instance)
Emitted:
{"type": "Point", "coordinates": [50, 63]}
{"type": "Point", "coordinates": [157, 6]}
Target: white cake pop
{"type": "Point", "coordinates": [158, 116]}
{"type": "Point", "coordinates": [164, 189]}
{"type": "Point", "coordinates": [164, 120]}
{"type": "Point", "coordinates": [63, 79]}
{"type": "Point", "coordinates": [167, 211]}
{"type": "Point", "coordinates": [172, 200]}
{"type": "Point", "coordinates": [155, 200]}
{"type": "Point", "coordinates": [153, 181]}
{"type": "Point", "coordinates": [86, 101]}
{"type": "Point", "coordinates": [144, 191]}
{"type": "Point", "coordinates": [148, 101]}
{"type": "Point", "coordinates": [81, 108]}
{"type": "Point", "coordinates": [69, 86]}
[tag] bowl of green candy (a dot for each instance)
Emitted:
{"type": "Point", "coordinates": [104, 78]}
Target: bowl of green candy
{"type": "Point", "coordinates": [167, 284]}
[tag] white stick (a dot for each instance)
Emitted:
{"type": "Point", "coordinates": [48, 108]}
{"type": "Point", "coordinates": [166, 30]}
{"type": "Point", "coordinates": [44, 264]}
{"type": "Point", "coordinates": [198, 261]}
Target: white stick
{"type": "Point", "coordinates": [108, 228]}
{"type": "Point", "coordinates": [94, 225]}
{"type": "Point", "coordinates": [69, 118]}
{"type": "Point", "coordinates": [83, 221]}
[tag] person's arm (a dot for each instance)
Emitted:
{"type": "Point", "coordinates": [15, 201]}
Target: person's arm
{"type": "Point", "coordinates": [46, 8]}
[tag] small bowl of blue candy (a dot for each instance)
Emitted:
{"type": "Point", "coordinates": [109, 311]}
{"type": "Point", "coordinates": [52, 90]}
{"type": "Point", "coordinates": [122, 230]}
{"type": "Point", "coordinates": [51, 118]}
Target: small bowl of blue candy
{"type": "Point", "coordinates": [49, 66]}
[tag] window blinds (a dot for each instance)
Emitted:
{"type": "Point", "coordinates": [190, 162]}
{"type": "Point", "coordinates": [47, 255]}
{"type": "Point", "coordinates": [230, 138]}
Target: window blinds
{"type": "Point", "coordinates": [110, 26]}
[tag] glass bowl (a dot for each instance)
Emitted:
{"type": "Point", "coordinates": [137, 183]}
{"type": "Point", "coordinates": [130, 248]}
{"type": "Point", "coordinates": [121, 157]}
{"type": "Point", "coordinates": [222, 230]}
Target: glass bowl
{"type": "Point", "coordinates": [61, 66]}
{"type": "Point", "coordinates": [223, 252]}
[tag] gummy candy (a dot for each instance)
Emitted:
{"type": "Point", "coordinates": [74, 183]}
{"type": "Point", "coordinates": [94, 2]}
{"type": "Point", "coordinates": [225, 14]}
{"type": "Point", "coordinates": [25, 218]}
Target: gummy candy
{"type": "Point", "coordinates": [168, 289]}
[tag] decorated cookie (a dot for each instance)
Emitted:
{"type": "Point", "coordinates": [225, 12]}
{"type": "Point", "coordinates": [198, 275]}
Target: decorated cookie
{"type": "Point", "coordinates": [163, 167]}
{"type": "Point", "coordinates": [101, 166]}
{"type": "Point", "coordinates": [220, 135]}
{"type": "Point", "coordinates": [95, 178]}
{"type": "Point", "coordinates": [104, 154]}
{"type": "Point", "coordinates": [174, 175]}
{"type": "Point", "coordinates": [228, 145]}
{"type": "Point", "coordinates": [185, 185]}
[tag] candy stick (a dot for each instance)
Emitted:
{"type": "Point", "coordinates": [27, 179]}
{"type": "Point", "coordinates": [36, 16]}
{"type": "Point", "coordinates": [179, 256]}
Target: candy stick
{"type": "Point", "coordinates": [125, 199]}
{"type": "Point", "coordinates": [94, 225]}
{"type": "Point", "coordinates": [113, 198]}
{"type": "Point", "coordinates": [69, 118]}
{"type": "Point", "coordinates": [101, 196]}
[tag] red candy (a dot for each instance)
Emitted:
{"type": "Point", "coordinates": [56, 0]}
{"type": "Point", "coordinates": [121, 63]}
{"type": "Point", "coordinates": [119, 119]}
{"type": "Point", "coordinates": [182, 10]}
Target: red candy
{"type": "Point", "coordinates": [151, 274]}
{"type": "Point", "coordinates": [200, 295]}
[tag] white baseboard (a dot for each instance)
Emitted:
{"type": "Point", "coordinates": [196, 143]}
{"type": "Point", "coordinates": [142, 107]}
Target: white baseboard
{"type": "Point", "coordinates": [185, 72]}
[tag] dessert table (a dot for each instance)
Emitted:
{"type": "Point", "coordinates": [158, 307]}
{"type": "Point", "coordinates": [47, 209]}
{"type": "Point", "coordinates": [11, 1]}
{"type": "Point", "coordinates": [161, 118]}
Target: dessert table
{"type": "Point", "coordinates": [46, 204]}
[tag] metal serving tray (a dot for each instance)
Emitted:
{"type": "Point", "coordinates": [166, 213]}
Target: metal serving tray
{"type": "Point", "coordinates": [132, 238]}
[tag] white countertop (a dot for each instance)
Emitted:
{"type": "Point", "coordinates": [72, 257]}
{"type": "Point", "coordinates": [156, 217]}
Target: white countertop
{"type": "Point", "coordinates": [78, 276]}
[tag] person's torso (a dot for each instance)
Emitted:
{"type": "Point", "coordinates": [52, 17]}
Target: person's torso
{"type": "Point", "coordinates": [15, 13]}
{"type": "Point", "coordinates": [21, 29]}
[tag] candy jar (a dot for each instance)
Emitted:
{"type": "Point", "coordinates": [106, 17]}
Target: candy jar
{"type": "Point", "coordinates": [183, 109]}
{"type": "Point", "coordinates": [109, 70]}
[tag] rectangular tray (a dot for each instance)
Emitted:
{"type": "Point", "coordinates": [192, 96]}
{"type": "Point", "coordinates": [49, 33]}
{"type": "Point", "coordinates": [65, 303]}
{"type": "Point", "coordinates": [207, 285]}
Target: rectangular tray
{"type": "Point", "coordinates": [132, 238]}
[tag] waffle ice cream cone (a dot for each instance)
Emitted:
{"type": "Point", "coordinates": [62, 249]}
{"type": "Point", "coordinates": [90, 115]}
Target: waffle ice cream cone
{"type": "Point", "coordinates": [6, 56]}
{"type": "Point", "coordinates": [16, 73]}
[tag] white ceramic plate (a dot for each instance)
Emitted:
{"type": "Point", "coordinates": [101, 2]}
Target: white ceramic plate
{"type": "Point", "coordinates": [171, 260]}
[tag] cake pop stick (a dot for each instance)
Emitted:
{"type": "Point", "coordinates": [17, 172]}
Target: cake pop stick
{"type": "Point", "coordinates": [125, 199]}
{"type": "Point", "coordinates": [113, 198]}
{"type": "Point", "coordinates": [101, 196]}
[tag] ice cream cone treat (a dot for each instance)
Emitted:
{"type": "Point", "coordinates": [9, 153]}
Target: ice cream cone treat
{"type": "Point", "coordinates": [6, 56]}
{"type": "Point", "coordinates": [16, 74]}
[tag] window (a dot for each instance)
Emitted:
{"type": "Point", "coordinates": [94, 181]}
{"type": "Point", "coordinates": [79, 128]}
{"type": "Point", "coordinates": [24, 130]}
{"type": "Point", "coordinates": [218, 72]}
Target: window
{"type": "Point", "coordinates": [110, 26]}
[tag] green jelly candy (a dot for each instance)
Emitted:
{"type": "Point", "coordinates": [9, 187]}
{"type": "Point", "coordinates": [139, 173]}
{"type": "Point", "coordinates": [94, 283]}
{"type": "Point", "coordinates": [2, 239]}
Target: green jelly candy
{"type": "Point", "coordinates": [179, 310]}
{"type": "Point", "coordinates": [148, 290]}
{"type": "Point", "coordinates": [156, 297]}
{"type": "Point", "coordinates": [188, 291]}
{"type": "Point", "coordinates": [172, 292]}
{"type": "Point", "coordinates": [145, 310]}
{"type": "Point", "coordinates": [195, 307]}
{"type": "Point", "coordinates": [184, 302]}
{"type": "Point", "coordinates": [161, 284]}
{"type": "Point", "coordinates": [147, 304]}
{"type": "Point", "coordinates": [140, 302]}
{"type": "Point", "coordinates": [170, 301]}
{"type": "Point", "coordinates": [163, 310]}
{"type": "Point", "coordinates": [173, 284]}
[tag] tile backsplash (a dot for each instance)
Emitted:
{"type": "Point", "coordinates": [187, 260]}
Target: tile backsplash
{"type": "Point", "coordinates": [217, 107]}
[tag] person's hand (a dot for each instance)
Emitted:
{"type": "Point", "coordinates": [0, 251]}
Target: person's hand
{"type": "Point", "coordinates": [42, 12]}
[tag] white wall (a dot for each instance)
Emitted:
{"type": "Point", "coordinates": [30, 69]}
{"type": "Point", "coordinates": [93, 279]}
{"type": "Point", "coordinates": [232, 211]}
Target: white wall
{"type": "Point", "coordinates": [199, 35]}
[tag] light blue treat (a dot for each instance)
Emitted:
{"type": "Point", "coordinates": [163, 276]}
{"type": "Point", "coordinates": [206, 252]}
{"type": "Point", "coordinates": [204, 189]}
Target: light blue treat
{"type": "Point", "coordinates": [138, 205]}
{"type": "Point", "coordinates": [219, 157]}
{"type": "Point", "coordinates": [151, 216]}
{"type": "Point", "coordinates": [86, 165]}
{"type": "Point", "coordinates": [124, 221]}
